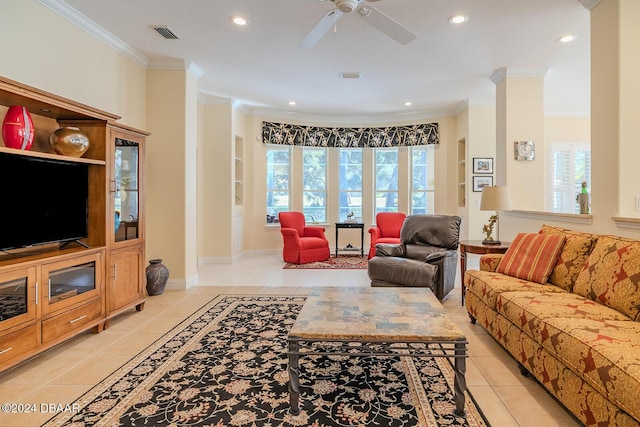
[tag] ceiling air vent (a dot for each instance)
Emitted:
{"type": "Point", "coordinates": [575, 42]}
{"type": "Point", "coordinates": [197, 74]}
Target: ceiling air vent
{"type": "Point", "coordinates": [166, 33]}
{"type": "Point", "coordinates": [350, 75]}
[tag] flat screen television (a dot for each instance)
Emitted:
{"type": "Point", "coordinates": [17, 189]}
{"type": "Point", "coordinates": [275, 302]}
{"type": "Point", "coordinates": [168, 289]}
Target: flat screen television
{"type": "Point", "coordinates": [42, 201]}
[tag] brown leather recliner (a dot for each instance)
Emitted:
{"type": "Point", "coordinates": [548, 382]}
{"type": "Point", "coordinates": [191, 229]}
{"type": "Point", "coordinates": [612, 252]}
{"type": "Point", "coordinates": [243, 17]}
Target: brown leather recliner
{"type": "Point", "coordinates": [426, 256]}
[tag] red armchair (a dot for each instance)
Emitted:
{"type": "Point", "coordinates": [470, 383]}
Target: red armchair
{"type": "Point", "coordinates": [387, 229]}
{"type": "Point", "coordinates": [302, 243]}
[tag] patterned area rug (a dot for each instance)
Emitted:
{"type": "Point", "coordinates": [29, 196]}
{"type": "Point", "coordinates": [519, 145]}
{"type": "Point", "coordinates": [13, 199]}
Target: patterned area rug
{"type": "Point", "coordinates": [226, 366]}
{"type": "Point", "coordinates": [341, 262]}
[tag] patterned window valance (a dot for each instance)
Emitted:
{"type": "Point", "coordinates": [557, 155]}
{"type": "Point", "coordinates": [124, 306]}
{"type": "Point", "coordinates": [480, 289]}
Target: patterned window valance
{"type": "Point", "coordinates": [317, 136]}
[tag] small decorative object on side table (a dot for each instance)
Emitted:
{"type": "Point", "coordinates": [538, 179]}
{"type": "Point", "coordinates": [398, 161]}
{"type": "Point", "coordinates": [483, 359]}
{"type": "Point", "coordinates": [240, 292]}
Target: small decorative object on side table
{"type": "Point", "coordinates": [480, 248]}
{"type": "Point", "coordinates": [494, 198]}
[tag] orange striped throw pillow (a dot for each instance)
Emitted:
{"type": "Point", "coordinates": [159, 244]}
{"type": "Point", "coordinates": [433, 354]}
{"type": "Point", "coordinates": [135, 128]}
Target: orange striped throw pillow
{"type": "Point", "coordinates": [532, 256]}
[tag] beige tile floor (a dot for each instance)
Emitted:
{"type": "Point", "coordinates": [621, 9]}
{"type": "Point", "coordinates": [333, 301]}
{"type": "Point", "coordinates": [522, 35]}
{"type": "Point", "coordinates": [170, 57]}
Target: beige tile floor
{"type": "Point", "coordinates": [64, 373]}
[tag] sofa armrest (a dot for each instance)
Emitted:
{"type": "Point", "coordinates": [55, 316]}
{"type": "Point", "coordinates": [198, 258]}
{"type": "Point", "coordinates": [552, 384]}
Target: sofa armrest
{"type": "Point", "coordinates": [489, 262]}
{"type": "Point", "coordinates": [389, 249]}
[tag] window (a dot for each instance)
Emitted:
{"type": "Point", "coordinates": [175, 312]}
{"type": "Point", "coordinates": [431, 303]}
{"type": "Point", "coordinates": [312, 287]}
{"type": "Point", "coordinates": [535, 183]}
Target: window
{"type": "Point", "coordinates": [350, 173]}
{"type": "Point", "coordinates": [314, 182]}
{"type": "Point", "coordinates": [386, 180]}
{"type": "Point", "coordinates": [422, 180]}
{"type": "Point", "coordinates": [571, 165]}
{"type": "Point", "coordinates": [278, 172]}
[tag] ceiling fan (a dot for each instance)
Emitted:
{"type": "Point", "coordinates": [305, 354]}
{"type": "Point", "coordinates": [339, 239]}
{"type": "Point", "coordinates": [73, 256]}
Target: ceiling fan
{"type": "Point", "coordinates": [368, 13]}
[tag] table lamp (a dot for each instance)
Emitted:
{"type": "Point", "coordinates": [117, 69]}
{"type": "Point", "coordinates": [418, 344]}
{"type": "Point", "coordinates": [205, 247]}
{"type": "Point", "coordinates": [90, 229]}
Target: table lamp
{"type": "Point", "coordinates": [494, 198]}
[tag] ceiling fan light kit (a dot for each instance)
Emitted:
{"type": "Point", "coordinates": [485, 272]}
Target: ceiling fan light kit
{"type": "Point", "coordinates": [346, 6]}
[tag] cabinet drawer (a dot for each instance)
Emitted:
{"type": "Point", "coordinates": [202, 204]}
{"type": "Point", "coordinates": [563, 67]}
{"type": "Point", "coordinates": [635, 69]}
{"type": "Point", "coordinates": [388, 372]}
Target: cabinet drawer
{"type": "Point", "coordinates": [18, 343]}
{"type": "Point", "coordinates": [72, 320]}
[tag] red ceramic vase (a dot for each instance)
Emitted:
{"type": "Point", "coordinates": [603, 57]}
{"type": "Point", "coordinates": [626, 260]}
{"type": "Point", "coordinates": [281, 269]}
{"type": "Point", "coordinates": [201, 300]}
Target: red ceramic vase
{"type": "Point", "coordinates": [17, 128]}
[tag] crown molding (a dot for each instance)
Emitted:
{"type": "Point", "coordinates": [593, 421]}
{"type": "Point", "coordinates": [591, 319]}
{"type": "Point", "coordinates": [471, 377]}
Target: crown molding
{"type": "Point", "coordinates": [86, 24]}
{"type": "Point", "coordinates": [209, 99]}
{"type": "Point", "coordinates": [590, 4]}
{"type": "Point", "coordinates": [502, 73]}
{"type": "Point", "coordinates": [176, 64]}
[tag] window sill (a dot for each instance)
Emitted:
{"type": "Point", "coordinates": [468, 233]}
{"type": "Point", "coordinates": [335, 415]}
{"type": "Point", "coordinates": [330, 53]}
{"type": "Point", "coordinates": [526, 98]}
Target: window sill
{"type": "Point", "coordinates": [627, 222]}
{"type": "Point", "coordinates": [552, 216]}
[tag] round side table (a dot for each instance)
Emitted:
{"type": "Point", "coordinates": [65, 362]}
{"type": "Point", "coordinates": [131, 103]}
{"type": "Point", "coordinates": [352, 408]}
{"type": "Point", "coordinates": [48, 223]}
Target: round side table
{"type": "Point", "coordinates": [479, 248]}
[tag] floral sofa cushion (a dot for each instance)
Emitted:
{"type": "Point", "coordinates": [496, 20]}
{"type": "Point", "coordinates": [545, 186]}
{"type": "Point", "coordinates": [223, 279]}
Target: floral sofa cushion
{"type": "Point", "coordinates": [489, 285]}
{"type": "Point", "coordinates": [532, 256]}
{"type": "Point", "coordinates": [576, 249]}
{"type": "Point", "coordinates": [611, 275]}
{"type": "Point", "coordinates": [528, 310]}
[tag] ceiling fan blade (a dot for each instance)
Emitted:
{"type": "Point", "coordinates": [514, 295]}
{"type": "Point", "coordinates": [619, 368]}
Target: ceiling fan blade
{"type": "Point", "coordinates": [325, 24]}
{"type": "Point", "coordinates": [386, 24]}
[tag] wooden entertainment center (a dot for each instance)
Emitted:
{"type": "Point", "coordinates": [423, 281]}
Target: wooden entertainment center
{"type": "Point", "coordinates": [52, 292]}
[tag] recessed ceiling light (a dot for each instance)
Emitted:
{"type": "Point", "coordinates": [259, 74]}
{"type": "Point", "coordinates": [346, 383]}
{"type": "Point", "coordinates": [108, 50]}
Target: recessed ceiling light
{"type": "Point", "coordinates": [458, 19]}
{"type": "Point", "coordinates": [292, 102]}
{"type": "Point", "coordinates": [408, 104]}
{"type": "Point", "coordinates": [567, 38]}
{"type": "Point", "coordinates": [239, 20]}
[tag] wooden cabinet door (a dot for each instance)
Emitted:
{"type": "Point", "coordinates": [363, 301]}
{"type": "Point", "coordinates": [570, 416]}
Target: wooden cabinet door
{"type": "Point", "coordinates": [126, 279]}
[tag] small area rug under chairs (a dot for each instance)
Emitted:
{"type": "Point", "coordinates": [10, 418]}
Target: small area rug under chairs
{"type": "Point", "coordinates": [226, 365]}
{"type": "Point", "coordinates": [337, 263]}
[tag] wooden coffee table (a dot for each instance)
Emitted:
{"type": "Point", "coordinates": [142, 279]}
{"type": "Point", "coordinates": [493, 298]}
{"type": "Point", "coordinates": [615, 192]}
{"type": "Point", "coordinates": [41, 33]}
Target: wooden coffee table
{"type": "Point", "coordinates": [389, 322]}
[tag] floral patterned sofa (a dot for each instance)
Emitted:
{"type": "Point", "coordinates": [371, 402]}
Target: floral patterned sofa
{"type": "Point", "coordinates": [578, 329]}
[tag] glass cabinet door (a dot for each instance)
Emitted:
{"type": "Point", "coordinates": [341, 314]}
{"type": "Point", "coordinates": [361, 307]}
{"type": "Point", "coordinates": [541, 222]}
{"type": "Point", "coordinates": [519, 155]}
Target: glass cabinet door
{"type": "Point", "coordinates": [126, 190]}
{"type": "Point", "coordinates": [18, 289]}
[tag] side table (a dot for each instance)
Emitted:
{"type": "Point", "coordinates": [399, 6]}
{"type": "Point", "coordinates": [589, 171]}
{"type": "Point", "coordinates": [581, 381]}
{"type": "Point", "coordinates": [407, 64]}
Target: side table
{"type": "Point", "coordinates": [359, 225]}
{"type": "Point", "coordinates": [477, 247]}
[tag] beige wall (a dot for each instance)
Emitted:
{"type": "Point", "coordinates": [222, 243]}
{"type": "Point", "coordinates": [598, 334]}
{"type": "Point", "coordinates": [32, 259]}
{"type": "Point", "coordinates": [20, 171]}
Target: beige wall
{"type": "Point", "coordinates": [166, 173]}
{"type": "Point", "coordinates": [217, 183]}
{"type": "Point", "coordinates": [481, 143]}
{"type": "Point", "coordinates": [629, 107]}
{"type": "Point", "coordinates": [520, 117]}
{"type": "Point", "coordinates": [191, 180]}
{"type": "Point", "coordinates": [44, 50]}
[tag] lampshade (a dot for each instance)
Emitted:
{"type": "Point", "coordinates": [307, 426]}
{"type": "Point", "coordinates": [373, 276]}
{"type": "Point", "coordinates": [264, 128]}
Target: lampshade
{"type": "Point", "coordinates": [495, 198]}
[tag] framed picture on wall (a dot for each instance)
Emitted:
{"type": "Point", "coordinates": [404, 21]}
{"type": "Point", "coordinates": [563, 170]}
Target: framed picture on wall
{"type": "Point", "coordinates": [481, 181]}
{"type": "Point", "coordinates": [483, 165]}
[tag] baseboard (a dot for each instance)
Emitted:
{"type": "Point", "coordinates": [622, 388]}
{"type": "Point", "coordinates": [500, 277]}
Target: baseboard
{"type": "Point", "coordinates": [182, 284]}
{"type": "Point", "coordinates": [237, 257]}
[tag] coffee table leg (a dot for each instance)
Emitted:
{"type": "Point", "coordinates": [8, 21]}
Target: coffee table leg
{"type": "Point", "coordinates": [460, 383]}
{"type": "Point", "coordinates": [294, 377]}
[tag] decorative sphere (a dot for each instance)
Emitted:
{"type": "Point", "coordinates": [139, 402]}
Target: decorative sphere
{"type": "Point", "coordinates": [69, 141]}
